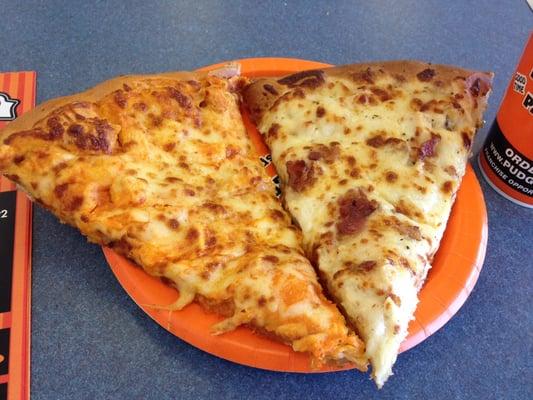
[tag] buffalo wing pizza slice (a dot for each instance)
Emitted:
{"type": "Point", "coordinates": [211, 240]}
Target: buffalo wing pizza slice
{"type": "Point", "coordinates": [370, 157]}
{"type": "Point", "coordinates": [160, 169]}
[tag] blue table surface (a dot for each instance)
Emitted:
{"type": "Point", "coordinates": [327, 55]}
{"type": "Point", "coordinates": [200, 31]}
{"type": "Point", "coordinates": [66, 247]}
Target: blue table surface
{"type": "Point", "coordinates": [90, 340]}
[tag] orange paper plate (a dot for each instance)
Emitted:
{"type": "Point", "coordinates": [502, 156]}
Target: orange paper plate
{"type": "Point", "coordinates": [455, 271]}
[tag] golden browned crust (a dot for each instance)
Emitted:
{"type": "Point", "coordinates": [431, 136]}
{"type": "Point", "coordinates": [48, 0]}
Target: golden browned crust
{"type": "Point", "coordinates": [94, 94]}
{"type": "Point", "coordinates": [261, 95]}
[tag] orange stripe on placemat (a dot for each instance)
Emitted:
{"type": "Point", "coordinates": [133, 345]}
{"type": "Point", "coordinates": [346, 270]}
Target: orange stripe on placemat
{"type": "Point", "coordinates": [5, 320]}
{"type": "Point", "coordinates": [20, 94]}
{"type": "Point", "coordinates": [4, 378]}
{"type": "Point", "coordinates": [29, 90]}
{"type": "Point", "coordinates": [18, 352]}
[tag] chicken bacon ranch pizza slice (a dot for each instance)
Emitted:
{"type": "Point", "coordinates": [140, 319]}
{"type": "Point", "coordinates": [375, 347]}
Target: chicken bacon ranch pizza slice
{"type": "Point", "coordinates": [160, 168]}
{"type": "Point", "coordinates": [370, 157]}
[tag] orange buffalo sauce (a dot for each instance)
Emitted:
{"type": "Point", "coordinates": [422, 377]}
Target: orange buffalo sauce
{"type": "Point", "coordinates": [506, 159]}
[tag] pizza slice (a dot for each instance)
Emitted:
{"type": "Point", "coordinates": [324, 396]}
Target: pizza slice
{"type": "Point", "coordinates": [160, 168]}
{"type": "Point", "coordinates": [370, 157]}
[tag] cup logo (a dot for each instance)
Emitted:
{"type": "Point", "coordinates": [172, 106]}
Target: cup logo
{"type": "Point", "coordinates": [8, 107]}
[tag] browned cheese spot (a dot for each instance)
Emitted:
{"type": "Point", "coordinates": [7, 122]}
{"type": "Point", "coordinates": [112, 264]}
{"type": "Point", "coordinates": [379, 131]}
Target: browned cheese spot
{"type": "Point", "coordinates": [120, 98]}
{"type": "Point", "coordinates": [74, 204]}
{"type": "Point", "coordinates": [231, 151]}
{"type": "Point", "coordinates": [309, 79]}
{"type": "Point", "coordinates": [447, 187]}
{"type": "Point", "coordinates": [173, 223]}
{"type": "Point", "coordinates": [320, 111]}
{"type": "Point", "coordinates": [60, 190]}
{"type": "Point", "coordinates": [192, 234]}
{"type": "Point", "coordinates": [270, 89]}
{"type": "Point", "coordinates": [382, 94]}
{"type": "Point", "coordinates": [169, 146]}
{"type": "Point", "coordinates": [380, 140]}
{"type": "Point", "coordinates": [271, 259]}
{"type": "Point", "coordinates": [391, 176]}
{"type": "Point", "coordinates": [142, 107]}
{"type": "Point", "coordinates": [426, 75]}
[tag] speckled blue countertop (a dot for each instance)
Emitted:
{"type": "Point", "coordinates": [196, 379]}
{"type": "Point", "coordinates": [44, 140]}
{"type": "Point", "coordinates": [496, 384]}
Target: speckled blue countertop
{"type": "Point", "coordinates": [89, 339]}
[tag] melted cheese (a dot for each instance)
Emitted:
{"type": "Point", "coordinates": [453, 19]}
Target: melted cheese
{"type": "Point", "coordinates": [162, 171]}
{"type": "Point", "coordinates": [393, 151]}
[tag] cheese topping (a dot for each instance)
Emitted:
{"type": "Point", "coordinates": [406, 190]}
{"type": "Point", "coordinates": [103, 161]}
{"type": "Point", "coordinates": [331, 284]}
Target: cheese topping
{"type": "Point", "coordinates": [370, 158]}
{"type": "Point", "coordinates": [160, 169]}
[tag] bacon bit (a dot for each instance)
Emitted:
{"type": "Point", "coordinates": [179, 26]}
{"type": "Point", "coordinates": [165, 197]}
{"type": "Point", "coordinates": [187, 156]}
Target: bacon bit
{"type": "Point", "coordinates": [261, 302]}
{"type": "Point", "coordinates": [56, 128]}
{"type": "Point", "coordinates": [18, 159]}
{"type": "Point", "coordinates": [311, 79]}
{"type": "Point", "coordinates": [320, 112]}
{"type": "Point", "coordinates": [426, 75]}
{"type": "Point", "coordinates": [271, 259]}
{"type": "Point", "coordinates": [173, 223]}
{"type": "Point", "coordinates": [120, 98]}
{"type": "Point", "coordinates": [270, 89]}
{"type": "Point", "coordinates": [427, 149]}
{"type": "Point", "coordinates": [189, 192]}
{"type": "Point", "coordinates": [126, 87]}
{"type": "Point", "coordinates": [354, 208]}
{"type": "Point", "coordinates": [300, 175]}
{"type": "Point", "coordinates": [350, 160]}
{"type": "Point", "coordinates": [273, 131]}
{"type": "Point", "coordinates": [59, 190]}
{"type": "Point", "coordinates": [467, 142]}
{"type": "Point", "coordinates": [478, 84]}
